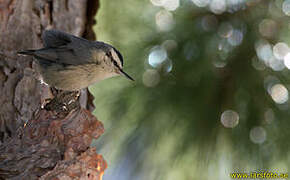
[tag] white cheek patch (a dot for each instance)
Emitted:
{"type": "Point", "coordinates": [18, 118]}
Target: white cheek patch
{"type": "Point", "coordinates": [115, 56]}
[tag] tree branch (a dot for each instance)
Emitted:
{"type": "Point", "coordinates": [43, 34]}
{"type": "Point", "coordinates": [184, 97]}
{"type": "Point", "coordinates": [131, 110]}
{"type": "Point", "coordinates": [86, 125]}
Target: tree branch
{"type": "Point", "coordinates": [44, 132]}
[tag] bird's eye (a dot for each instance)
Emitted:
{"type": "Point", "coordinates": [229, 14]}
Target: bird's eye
{"type": "Point", "coordinates": [115, 63]}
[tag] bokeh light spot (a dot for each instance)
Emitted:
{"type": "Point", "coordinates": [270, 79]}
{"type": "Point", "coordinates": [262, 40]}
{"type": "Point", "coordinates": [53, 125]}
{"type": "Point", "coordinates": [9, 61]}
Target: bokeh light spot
{"type": "Point", "coordinates": [151, 77]}
{"type": "Point", "coordinates": [286, 7]}
{"type": "Point", "coordinates": [268, 28]}
{"type": "Point", "coordinates": [287, 60]}
{"type": "Point", "coordinates": [230, 119]}
{"type": "Point", "coordinates": [157, 56]}
{"type": "Point", "coordinates": [236, 38]}
{"type": "Point", "coordinates": [269, 82]}
{"type": "Point", "coordinates": [280, 50]}
{"type": "Point", "coordinates": [164, 20]}
{"type": "Point", "coordinates": [157, 2]}
{"type": "Point", "coordinates": [218, 6]}
{"type": "Point", "coordinates": [258, 135]}
{"type": "Point", "coordinates": [279, 93]}
{"type": "Point", "coordinates": [201, 3]}
{"type": "Point", "coordinates": [235, 5]}
{"type": "Point", "coordinates": [169, 45]}
{"type": "Point", "coordinates": [276, 64]}
{"type": "Point", "coordinates": [264, 50]}
{"type": "Point", "coordinates": [167, 66]}
{"type": "Point", "coordinates": [171, 5]}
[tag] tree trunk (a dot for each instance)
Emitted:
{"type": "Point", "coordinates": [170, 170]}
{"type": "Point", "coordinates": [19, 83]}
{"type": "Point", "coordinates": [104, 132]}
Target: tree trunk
{"type": "Point", "coordinates": [44, 133]}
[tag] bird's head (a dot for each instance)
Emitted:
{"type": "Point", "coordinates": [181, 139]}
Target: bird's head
{"type": "Point", "coordinates": [109, 59]}
{"type": "Point", "coordinates": [116, 62]}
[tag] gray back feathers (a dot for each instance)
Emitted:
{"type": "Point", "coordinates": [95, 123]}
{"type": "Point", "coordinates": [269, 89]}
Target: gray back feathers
{"type": "Point", "coordinates": [67, 49]}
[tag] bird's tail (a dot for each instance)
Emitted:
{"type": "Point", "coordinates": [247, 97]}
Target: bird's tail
{"type": "Point", "coordinates": [26, 52]}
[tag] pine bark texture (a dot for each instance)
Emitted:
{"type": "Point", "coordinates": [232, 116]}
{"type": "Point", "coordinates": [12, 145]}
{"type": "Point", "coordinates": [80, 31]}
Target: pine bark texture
{"type": "Point", "coordinates": [44, 133]}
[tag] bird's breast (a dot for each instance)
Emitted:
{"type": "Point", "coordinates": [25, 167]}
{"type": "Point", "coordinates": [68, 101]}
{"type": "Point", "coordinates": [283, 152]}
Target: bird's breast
{"type": "Point", "coordinates": [75, 77]}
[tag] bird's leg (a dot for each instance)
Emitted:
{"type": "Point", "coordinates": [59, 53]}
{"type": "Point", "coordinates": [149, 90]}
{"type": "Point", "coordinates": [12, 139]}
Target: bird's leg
{"type": "Point", "coordinates": [63, 101]}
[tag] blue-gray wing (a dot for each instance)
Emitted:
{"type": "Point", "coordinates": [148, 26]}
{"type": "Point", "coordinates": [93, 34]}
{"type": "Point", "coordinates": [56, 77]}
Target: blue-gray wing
{"type": "Point", "coordinates": [63, 48]}
{"type": "Point", "coordinates": [55, 38]}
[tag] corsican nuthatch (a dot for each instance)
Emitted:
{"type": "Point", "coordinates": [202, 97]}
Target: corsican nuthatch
{"type": "Point", "coordinates": [72, 63]}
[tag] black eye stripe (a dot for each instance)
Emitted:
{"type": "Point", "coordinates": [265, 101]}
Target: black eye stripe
{"type": "Point", "coordinates": [109, 54]}
{"type": "Point", "coordinates": [119, 55]}
{"type": "Point", "coordinates": [116, 64]}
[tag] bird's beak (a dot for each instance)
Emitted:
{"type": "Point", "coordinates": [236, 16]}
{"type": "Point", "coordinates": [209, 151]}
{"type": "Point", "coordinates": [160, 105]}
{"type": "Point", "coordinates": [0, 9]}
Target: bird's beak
{"type": "Point", "coordinates": [126, 75]}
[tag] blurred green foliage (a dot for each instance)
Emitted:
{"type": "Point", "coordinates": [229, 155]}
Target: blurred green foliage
{"type": "Point", "coordinates": [211, 89]}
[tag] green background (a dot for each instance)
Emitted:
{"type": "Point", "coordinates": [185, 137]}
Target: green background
{"type": "Point", "coordinates": [211, 89]}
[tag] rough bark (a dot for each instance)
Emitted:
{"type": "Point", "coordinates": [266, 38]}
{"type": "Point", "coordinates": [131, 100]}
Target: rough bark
{"type": "Point", "coordinates": [44, 133]}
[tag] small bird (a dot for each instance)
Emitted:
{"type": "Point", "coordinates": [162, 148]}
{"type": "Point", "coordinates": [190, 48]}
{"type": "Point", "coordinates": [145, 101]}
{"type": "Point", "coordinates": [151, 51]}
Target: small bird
{"type": "Point", "coordinates": [72, 63]}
